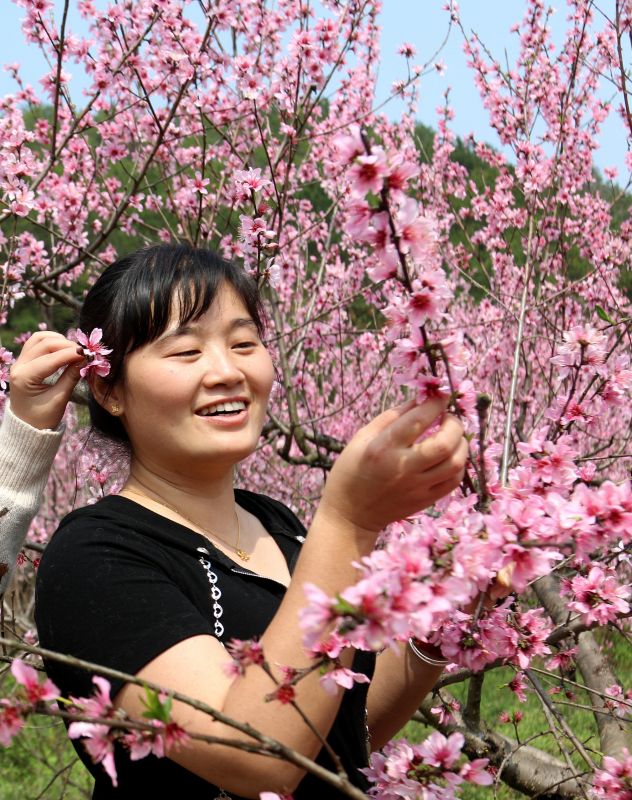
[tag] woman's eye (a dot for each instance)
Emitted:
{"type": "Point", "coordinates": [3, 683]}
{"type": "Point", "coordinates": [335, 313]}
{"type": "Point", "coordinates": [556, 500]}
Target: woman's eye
{"type": "Point", "coordinates": [245, 344]}
{"type": "Point", "coordinates": [186, 353]}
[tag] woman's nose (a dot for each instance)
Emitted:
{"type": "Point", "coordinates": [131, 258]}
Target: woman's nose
{"type": "Point", "coordinates": [221, 367]}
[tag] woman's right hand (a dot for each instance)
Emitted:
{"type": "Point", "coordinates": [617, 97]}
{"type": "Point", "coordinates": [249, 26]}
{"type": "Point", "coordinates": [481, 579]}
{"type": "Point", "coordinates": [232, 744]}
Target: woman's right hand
{"type": "Point", "coordinates": [384, 474]}
{"type": "Point", "coordinates": [40, 404]}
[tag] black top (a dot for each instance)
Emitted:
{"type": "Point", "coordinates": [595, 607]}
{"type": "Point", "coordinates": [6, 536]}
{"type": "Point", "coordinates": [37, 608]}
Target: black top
{"type": "Point", "coordinates": [119, 584]}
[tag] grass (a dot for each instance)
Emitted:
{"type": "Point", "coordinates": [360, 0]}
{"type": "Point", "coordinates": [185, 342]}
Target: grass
{"type": "Point", "coordinates": [41, 764]}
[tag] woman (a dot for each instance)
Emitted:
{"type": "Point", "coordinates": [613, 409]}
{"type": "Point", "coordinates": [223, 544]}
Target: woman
{"type": "Point", "coordinates": [30, 434]}
{"type": "Point", "coordinates": [155, 581]}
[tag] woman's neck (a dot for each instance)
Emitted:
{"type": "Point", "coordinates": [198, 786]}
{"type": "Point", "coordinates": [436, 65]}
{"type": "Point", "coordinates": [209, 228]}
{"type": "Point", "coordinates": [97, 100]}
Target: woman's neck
{"type": "Point", "coordinates": [197, 500]}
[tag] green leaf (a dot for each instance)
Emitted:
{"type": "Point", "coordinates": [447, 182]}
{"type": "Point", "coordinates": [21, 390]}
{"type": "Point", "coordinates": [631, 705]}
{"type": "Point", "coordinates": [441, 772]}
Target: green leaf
{"type": "Point", "coordinates": [603, 314]}
{"type": "Point", "coordinates": [155, 708]}
{"type": "Point", "coordinates": [343, 606]}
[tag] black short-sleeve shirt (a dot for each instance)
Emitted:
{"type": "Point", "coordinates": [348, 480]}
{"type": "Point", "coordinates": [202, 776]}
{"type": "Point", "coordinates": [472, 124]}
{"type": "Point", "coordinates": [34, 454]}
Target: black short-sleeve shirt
{"type": "Point", "coordinates": [119, 584]}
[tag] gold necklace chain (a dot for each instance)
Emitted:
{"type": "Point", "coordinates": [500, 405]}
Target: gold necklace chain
{"type": "Point", "coordinates": [236, 547]}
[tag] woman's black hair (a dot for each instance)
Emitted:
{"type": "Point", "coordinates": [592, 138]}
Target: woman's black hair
{"type": "Point", "coordinates": [133, 302]}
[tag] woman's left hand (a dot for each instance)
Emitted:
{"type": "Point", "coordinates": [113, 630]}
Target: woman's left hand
{"type": "Point", "coordinates": [34, 401]}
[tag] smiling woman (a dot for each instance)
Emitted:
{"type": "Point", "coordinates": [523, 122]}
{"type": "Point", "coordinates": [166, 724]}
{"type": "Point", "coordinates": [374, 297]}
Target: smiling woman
{"type": "Point", "coordinates": [173, 397]}
{"type": "Point", "coordinates": [156, 581]}
{"type": "Point", "coordinates": [157, 297]}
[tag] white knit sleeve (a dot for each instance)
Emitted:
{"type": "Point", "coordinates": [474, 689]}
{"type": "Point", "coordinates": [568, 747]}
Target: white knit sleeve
{"type": "Point", "coordinates": [26, 456]}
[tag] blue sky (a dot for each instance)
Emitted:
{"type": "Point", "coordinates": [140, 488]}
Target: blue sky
{"type": "Point", "coordinates": [423, 23]}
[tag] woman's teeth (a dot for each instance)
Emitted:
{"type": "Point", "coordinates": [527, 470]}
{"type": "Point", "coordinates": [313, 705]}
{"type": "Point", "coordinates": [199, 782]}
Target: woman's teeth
{"type": "Point", "coordinates": [223, 408]}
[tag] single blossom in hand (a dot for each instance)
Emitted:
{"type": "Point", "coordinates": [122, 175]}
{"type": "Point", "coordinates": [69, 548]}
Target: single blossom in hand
{"type": "Point", "coordinates": [95, 352]}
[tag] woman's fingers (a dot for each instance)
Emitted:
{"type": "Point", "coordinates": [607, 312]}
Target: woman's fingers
{"type": "Point", "coordinates": [40, 404]}
{"type": "Point", "coordinates": [42, 341]}
{"type": "Point", "coordinates": [414, 421]}
{"type": "Point", "coordinates": [450, 469]}
{"type": "Point", "coordinates": [385, 473]}
{"type": "Point", "coordinates": [37, 368]}
{"type": "Point", "coordinates": [502, 585]}
{"type": "Point", "coordinates": [439, 447]}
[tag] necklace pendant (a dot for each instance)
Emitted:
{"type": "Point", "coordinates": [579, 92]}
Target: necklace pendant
{"type": "Point", "coordinates": [242, 554]}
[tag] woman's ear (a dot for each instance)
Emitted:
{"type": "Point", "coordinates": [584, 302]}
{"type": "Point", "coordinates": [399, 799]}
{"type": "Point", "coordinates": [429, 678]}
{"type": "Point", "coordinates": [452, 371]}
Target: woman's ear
{"type": "Point", "coordinates": [108, 397]}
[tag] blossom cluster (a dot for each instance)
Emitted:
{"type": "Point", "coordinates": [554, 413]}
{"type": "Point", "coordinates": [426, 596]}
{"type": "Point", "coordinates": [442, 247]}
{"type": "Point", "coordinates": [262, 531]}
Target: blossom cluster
{"type": "Point", "coordinates": [99, 737]}
{"type": "Point", "coordinates": [13, 711]}
{"type": "Point", "coordinates": [614, 780]}
{"type": "Point", "coordinates": [429, 769]}
{"type": "Point", "coordinates": [257, 242]}
{"type": "Point", "coordinates": [433, 565]}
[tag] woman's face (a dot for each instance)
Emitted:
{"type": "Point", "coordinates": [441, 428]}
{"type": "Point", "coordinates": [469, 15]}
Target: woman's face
{"type": "Point", "coordinates": [195, 398]}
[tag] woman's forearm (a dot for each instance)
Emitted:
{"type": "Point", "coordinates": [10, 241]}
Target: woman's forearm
{"type": "Point", "coordinates": [400, 683]}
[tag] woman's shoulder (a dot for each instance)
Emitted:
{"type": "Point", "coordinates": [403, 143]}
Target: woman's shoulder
{"type": "Point", "coordinates": [114, 525]}
{"type": "Point", "coordinates": [92, 525]}
{"type": "Point", "coordinates": [108, 507]}
{"type": "Point", "coordinates": [106, 515]}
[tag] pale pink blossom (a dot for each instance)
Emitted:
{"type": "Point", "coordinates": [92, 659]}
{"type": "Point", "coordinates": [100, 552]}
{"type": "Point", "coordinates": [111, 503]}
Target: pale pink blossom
{"type": "Point", "coordinates": [614, 779]}
{"type": "Point", "coordinates": [518, 686]}
{"type": "Point", "coordinates": [244, 653]}
{"type": "Point", "coordinates": [349, 146]}
{"type": "Point", "coordinates": [476, 772]}
{"type": "Point", "coordinates": [431, 386]}
{"type": "Point", "coordinates": [417, 233]}
{"type": "Point", "coordinates": [445, 712]}
{"type": "Point", "coordinates": [341, 677]}
{"type": "Point", "coordinates": [617, 700]}
{"type": "Point", "coordinates": [6, 359]}
{"type": "Point", "coordinates": [404, 770]}
{"type": "Point", "coordinates": [144, 743]}
{"type": "Point", "coordinates": [381, 239]}
{"type": "Point", "coordinates": [584, 347]}
{"type": "Point", "coordinates": [316, 616]}
{"type": "Point", "coordinates": [407, 50]}
{"type": "Point", "coordinates": [98, 744]}
{"type": "Point", "coordinates": [562, 660]}
{"type": "Point", "coordinates": [367, 173]}
{"type": "Point", "coordinates": [28, 677]}
{"type": "Point", "coordinates": [359, 219]}
{"type": "Point", "coordinates": [251, 179]}
{"type": "Point", "coordinates": [429, 297]}
{"type": "Point", "coordinates": [599, 597]}
{"type": "Point", "coordinates": [274, 796]}
{"type": "Point", "coordinates": [252, 230]}
{"type": "Point", "coordinates": [94, 351]}
{"type": "Point", "coordinates": [99, 704]}
{"type": "Point", "coordinates": [11, 721]}
{"type": "Point", "coordinates": [441, 751]}
{"type": "Point", "coordinates": [200, 183]}
{"type": "Point", "coordinates": [272, 273]}
{"type": "Point", "coordinates": [21, 199]}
